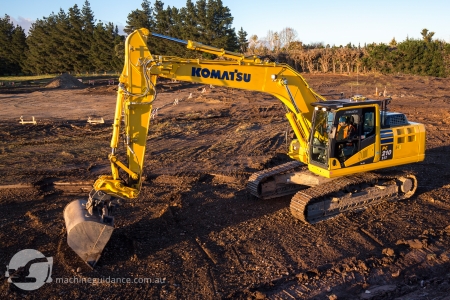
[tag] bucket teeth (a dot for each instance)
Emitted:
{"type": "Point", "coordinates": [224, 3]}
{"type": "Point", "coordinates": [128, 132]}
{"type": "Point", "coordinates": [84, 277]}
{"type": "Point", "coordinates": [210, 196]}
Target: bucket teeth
{"type": "Point", "coordinates": [87, 234]}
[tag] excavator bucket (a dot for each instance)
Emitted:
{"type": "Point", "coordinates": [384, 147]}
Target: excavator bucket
{"type": "Point", "coordinates": [87, 234]}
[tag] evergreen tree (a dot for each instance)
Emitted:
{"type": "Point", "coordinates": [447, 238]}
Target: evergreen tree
{"type": "Point", "coordinates": [220, 33]}
{"type": "Point", "coordinates": [214, 25]}
{"type": "Point", "coordinates": [6, 32]}
{"type": "Point", "coordinates": [242, 40]}
{"type": "Point", "coordinates": [66, 43]}
{"type": "Point", "coordinates": [167, 22]}
{"type": "Point", "coordinates": [174, 18]}
{"type": "Point", "coordinates": [188, 16]}
{"type": "Point", "coordinates": [393, 42]}
{"type": "Point", "coordinates": [427, 35]}
{"type": "Point", "coordinates": [118, 51]}
{"type": "Point", "coordinates": [18, 48]}
{"type": "Point", "coordinates": [162, 25]}
{"type": "Point", "coordinates": [48, 45]}
{"type": "Point", "coordinates": [36, 48]}
{"type": "Point", "coordinates": [186, 24]}
{"type": "Point", "coordinates": [102, 51]}
{"type": "Point", "coordinates": [202, 21]}
{"type": "Point", "coordinates": [77, 56]}
{"type": "Point", "coordinates": [12, 47]}
{"type": "Point", "coordinates": [49, 48]}
{"type": "Point", "coordinates": [73, 42]}
{"type": "Point", "coordinates": [60, 59]}
{"type": "Point", "coordinates": [421, 57]}
{"type": "Point", "coordinates": [379, 58]}
{"type": "Point", "coordinates": [88, 21]}
{"type": "Point", "coordinates": [140, 18]}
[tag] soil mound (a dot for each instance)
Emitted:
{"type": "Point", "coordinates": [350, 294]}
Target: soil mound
{"type": "Point", "coordinates": [65, 81]}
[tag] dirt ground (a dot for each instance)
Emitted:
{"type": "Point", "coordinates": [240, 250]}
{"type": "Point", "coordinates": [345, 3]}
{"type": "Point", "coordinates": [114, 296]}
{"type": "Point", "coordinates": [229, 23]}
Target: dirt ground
{"type": "Point", "coordinates": [193, 229]}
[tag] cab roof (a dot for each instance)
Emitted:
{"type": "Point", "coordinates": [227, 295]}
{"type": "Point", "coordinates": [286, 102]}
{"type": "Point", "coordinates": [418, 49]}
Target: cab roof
{"type": "Point", "coordinates": [336, 104]}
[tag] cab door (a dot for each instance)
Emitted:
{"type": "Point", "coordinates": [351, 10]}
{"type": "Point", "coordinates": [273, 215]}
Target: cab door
{"type": "Point", "coordinates": [358, 147]}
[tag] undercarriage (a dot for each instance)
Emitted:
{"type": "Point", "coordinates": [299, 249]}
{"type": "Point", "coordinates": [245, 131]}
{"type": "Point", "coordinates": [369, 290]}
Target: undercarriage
{"type": "Point", "coordinates": [316, 199]}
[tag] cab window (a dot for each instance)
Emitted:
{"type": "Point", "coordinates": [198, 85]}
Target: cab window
{"type": "Point", "coordinates": [368, 123]}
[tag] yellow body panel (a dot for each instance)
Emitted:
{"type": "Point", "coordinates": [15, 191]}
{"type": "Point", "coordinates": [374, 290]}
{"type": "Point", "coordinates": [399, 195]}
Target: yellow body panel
{"type": "Point", "coordinates": [405, 145]}
{"type": "Point", "coordinates": [362, 155]}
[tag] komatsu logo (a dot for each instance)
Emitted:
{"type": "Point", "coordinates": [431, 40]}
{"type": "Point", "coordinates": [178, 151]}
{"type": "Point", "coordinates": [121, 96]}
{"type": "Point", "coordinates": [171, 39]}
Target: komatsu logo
{"type": "Point", "coordinates": [217, 74]}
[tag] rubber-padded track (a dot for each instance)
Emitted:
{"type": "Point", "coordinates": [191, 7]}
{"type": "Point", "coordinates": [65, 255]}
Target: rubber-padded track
{"type": "Point", "coordinates": [256, 179]}
{"type": "Point", "coordinates": [328, 200]}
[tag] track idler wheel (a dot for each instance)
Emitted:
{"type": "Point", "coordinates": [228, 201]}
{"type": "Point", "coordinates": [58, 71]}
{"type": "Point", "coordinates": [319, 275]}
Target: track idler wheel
{"type": "Point", "coordinates": [407, 185]}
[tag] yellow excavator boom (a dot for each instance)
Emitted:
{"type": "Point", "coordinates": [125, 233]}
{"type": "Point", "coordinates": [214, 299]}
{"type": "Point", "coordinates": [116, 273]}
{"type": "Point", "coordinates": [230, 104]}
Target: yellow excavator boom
{"type": "Point", "coordinates": [137, 93]}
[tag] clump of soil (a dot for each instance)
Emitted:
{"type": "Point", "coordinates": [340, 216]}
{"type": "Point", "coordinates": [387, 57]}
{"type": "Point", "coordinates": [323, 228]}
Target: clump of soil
{"type": "Point", "coordinates": [65, 81]}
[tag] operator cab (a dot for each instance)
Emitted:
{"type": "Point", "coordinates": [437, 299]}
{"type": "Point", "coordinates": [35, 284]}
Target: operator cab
{"type": "Point", "coordinates": [341, 129]}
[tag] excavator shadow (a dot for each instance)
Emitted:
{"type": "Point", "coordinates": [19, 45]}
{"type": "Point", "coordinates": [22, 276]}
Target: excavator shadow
{"type": "Point", "coordinates": [202, 211]}
{"type": "Point", "coordinates": [432, 173]}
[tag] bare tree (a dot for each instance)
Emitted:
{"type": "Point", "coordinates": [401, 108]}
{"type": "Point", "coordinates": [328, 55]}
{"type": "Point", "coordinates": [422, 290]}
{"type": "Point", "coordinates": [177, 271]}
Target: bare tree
{"type": "Point", "coordinates": [257, 46]}
{"type": "Point", "coordinates": [311, 56]}
{"type": "Point", "coordinates": [364, 53]}
{"type": "Point", "coordinates": [302, 57]}
{"type": "Point", "coordinates": [270, 38]}
{"type": "Point", "coordinates": [297, 54]}
{"type": "Point", "coordinates": [341, 54]}
{"type": "Point", "coordinates": [325, 59]}
{"type": "Point", "coordinates": [355, 59]}
{"type": "Point", "coordinates": [334, 59]}
{"type": "Point", "coordinates": [287, 37]}
{"type": "Point", "coordinates": [253, 44]}
{"type": "Point", "coordinates": [276, 42]}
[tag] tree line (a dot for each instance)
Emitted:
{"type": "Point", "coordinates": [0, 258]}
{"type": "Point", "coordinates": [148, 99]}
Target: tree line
{"type": "Point", "coordinates": [72, 41]}
{"type": "Point", "coordinates": [75, 42]}
{"type": "Point", "coordinates": [424, 56]}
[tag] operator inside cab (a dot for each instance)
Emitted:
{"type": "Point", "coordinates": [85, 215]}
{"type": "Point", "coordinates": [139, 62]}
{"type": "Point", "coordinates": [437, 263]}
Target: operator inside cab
{"type": "Point", "coordinates": [345, 129]}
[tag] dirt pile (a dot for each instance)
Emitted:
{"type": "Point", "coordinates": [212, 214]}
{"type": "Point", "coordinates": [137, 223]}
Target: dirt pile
{"type": "Point", "coordinates": [65, 81]}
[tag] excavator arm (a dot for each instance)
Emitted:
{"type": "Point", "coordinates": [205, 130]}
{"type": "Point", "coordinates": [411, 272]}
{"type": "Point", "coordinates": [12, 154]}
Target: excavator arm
{"type": "Point", "coordinates": [137, 93]}
{"type": "Point", "coordinates": [135, 97]}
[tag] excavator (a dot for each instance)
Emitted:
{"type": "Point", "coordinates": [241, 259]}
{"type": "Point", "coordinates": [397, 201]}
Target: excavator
{"type": "Point", "coordinates": [330, 172]}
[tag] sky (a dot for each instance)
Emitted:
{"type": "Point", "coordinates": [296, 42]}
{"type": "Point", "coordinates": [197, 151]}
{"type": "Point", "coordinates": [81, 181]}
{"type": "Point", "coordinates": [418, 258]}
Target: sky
{"type": "Point", "coordinates": [321, 21]}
